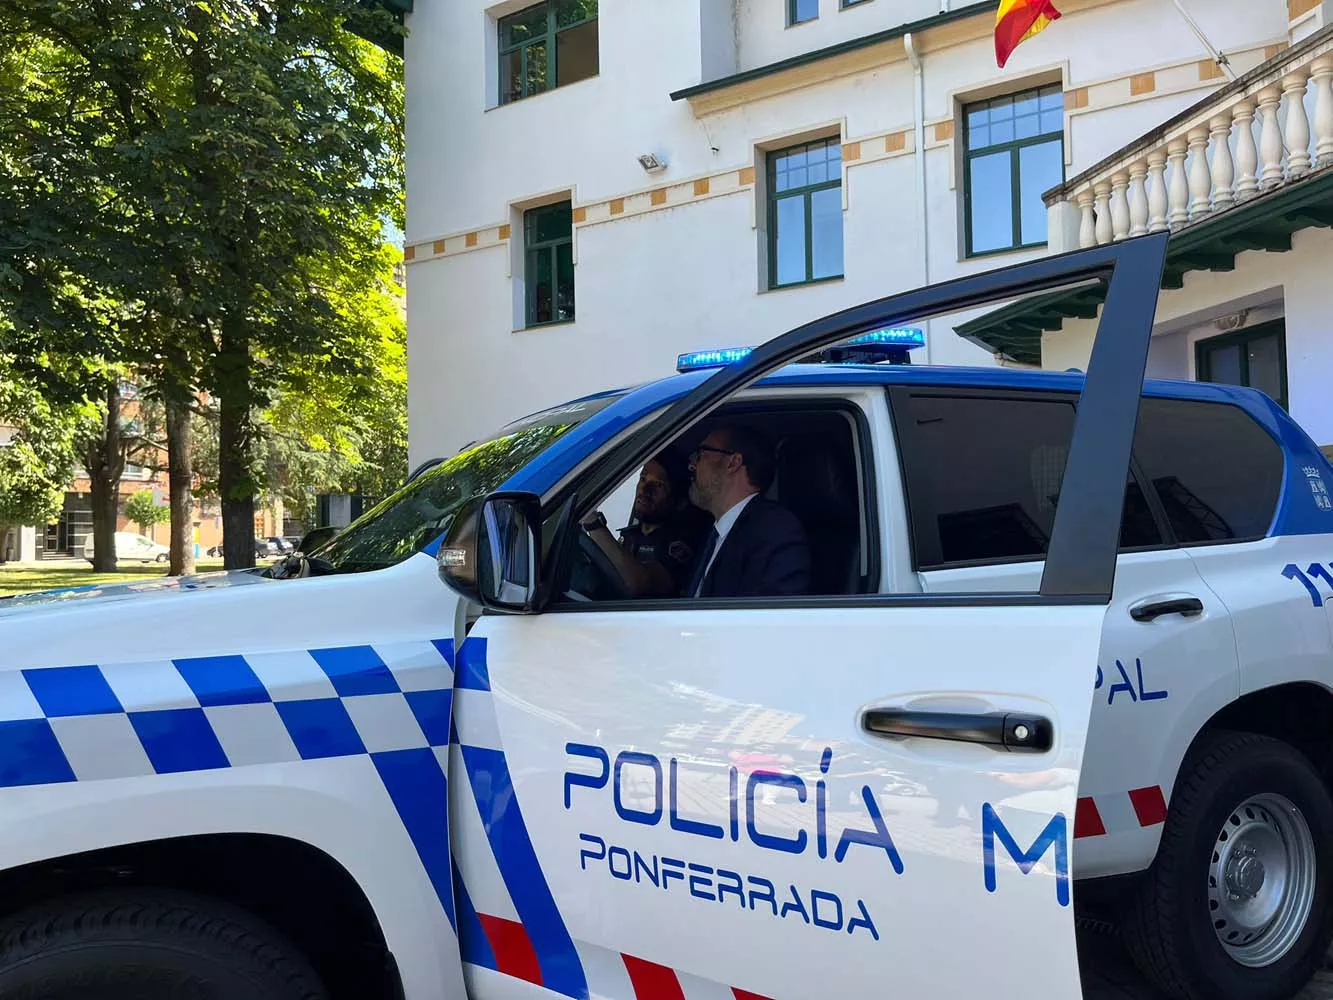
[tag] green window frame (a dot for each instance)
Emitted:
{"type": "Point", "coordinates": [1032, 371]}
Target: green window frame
{"type": "Point", "coordinates": [1022, 133]}
{"type": "Point", "coordinates": [1207, 356]}
{"type": "Point", "coordinates": [531, 42]}
{"type": "Point", "coordinates": [805, 181]}
{"type": "Point", "coordinates": [802, 11]}
{"type": "Point", "coordinates": [548, 264]}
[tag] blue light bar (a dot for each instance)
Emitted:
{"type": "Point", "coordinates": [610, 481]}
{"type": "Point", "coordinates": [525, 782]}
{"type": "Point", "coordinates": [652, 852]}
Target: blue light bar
{"type": "Point", "coordinates": [903, 336]}
{"type": "Point", "coordinates": [710, 359]}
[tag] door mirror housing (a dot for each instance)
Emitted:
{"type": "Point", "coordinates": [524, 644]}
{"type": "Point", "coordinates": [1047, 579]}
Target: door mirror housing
{"type": "Point", "coordinates": [492, 553]}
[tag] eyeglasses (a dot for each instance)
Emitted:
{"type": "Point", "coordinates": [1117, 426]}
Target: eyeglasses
{"type": "Point", "coordinates": [694, 455]}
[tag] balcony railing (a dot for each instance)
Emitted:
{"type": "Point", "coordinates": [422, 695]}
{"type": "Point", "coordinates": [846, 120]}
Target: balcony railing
{"type": "Point", "coordinates": [1270, 128]}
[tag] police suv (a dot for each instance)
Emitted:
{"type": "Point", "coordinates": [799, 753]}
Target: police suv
{"type": "Point", "coordinates": [1067, 649]}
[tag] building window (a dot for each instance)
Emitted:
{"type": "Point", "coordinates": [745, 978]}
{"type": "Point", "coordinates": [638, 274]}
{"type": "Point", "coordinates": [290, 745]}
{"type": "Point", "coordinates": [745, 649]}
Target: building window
{"type": "Point", "coordinates": [1256, 357]}
{"type": "Point", "coordinates": [805, 213]}
{"type": "Point", "coordinates": [844, 4]}
{"type": "Point", "coordinates": [1014, 151]}
{"type": "Point", "coordinates": [800, 11]}
{"type": "Point", "coordinates": [548, 258]}
{"type": "Point", "coordinates": [547, 46]}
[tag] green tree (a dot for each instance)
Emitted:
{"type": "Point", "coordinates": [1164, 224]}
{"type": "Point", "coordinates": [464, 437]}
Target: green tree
{"type": "Point", "coordinates": [228, 167]}
{"type": "Point", "coordinates": [142, 508]}
{"type": "Point", "coordinates": [37, 454]}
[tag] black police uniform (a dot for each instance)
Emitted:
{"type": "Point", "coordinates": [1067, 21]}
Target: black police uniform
{"type": "Point", "coordinates": [673, 544]}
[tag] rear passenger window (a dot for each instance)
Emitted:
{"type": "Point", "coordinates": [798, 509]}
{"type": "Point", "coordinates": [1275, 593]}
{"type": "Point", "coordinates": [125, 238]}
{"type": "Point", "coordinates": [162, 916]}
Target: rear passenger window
{"type": "Point", "coordinates": [983, 478]}
{"type": "Point", "coordinates": [1218, 473]}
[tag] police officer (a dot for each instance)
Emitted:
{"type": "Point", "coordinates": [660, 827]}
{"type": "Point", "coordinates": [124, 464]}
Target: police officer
{"type": "Point", "coordinates": [656, 551]}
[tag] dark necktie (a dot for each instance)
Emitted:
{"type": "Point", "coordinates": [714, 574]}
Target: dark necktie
{"type": "Point", "coordinates": [698, 577]}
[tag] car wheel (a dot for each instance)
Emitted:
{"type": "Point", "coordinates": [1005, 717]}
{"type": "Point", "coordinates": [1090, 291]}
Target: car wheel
{"type": "Point", "coordinates": [161, 557]}
{"type": "Point", "coordinates": [1238, 904]}
{"type": "Point", "coordinates": [149, 946]}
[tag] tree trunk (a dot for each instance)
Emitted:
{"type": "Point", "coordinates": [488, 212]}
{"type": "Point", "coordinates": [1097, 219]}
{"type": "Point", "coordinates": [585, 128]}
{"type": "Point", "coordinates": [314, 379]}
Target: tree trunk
{"type": "Point", "coordinates": [105, 461]}
{"type": "Point", "coordinates": [180, 479]}
{"type": "Point", "coordinates": [235, 437]}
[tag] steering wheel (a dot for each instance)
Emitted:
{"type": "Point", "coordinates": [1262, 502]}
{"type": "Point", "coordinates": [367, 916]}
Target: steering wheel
{"type": "Point", "coordinates": [608, 578]}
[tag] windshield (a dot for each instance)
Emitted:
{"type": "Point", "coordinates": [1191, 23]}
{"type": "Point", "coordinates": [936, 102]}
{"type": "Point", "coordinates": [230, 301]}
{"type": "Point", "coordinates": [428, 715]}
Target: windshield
{"type": "Point", "coordinates": [421, 511]}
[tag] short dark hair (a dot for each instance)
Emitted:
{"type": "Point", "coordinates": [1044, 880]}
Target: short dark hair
{"type": "Point", "coordinates": [677, 470]}
{"type": "Point", "coordinates": [755, 450]}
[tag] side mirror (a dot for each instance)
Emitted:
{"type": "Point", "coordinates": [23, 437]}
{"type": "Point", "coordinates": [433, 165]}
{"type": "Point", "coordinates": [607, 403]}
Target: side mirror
{"type": "Point", "coordinates": [492, 554]}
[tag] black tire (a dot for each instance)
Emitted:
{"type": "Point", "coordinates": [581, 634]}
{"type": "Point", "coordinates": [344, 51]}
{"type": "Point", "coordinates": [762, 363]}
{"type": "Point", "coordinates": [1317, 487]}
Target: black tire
{"type": "Point", "coordinates": [1169, 928]}
{"type": "Point", "coordinates": [148, 945]}
{"type": "Point", "coordinates": [161, 558]}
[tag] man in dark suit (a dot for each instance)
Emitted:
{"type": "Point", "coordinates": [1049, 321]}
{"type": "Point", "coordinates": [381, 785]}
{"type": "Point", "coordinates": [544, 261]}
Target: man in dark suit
{"type": "Point", "coordinates": [757, 548]}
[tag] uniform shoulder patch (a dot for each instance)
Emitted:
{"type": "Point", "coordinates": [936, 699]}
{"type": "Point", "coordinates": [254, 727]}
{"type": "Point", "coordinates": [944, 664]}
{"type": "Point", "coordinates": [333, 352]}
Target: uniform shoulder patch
{"type": "Point", "coordinates": [679, 551]}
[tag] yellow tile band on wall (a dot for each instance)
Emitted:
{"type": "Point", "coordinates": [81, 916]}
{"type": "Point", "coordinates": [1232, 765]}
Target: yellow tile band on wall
{"type": "Point", "coordinates": [869, 149]}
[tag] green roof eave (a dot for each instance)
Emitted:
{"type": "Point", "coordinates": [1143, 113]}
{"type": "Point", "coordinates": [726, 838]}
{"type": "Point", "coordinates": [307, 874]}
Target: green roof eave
{"type": "Point", "coordinates": [841, 48]}
{"type": "Point", "coordinates": [390, 41]}
{"type": "Point", "coordinates": [1212, 244]}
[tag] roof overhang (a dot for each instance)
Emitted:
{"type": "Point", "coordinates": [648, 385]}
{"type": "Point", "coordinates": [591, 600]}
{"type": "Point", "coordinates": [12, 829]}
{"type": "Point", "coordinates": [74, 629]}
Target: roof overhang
{"type": "Point", "coordinates": [835, 60]}
{"type": "Point", "coordinates": [1266, 222]}
{"type": "Point", "coordinates": [372, 27]}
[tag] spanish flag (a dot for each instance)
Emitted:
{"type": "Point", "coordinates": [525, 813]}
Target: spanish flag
{"type": "Point", "coordinates": [1018, 20]}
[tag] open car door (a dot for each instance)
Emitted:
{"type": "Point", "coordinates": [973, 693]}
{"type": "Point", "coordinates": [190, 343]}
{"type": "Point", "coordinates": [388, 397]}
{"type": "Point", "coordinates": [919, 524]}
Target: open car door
{"type": "Point", "coordinates": [603, 849]}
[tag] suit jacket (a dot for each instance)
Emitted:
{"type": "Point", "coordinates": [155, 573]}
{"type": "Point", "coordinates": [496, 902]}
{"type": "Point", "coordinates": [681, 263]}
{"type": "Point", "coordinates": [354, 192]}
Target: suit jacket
{"type": "Point", "coordinates": [765, 554]}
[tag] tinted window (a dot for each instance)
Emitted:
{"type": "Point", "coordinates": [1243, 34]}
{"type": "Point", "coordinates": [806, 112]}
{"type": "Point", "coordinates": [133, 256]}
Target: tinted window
{"type": "Point", "coordinates": [984, 474]}
{"type": "Point", "coordinates": [1217, 472]}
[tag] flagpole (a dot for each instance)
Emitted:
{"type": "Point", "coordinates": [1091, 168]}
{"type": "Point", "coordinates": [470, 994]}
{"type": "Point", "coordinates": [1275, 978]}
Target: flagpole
{"type": "Point", "coordinates": [1218, 57]}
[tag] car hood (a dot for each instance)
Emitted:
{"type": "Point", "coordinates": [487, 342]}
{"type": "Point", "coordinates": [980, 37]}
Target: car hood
{"type": "Point", "coordinates": [112, 593]}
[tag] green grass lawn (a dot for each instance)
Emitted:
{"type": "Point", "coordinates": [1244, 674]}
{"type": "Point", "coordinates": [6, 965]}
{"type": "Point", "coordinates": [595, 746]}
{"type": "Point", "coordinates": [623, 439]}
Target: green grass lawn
{"type": "Point", "coordinates": [16, 579]}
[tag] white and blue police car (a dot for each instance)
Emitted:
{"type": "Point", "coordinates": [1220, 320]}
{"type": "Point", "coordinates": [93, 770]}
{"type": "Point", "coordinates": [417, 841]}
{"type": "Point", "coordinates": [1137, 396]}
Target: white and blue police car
{"type": "Point", "coordinates": [1067, 649]}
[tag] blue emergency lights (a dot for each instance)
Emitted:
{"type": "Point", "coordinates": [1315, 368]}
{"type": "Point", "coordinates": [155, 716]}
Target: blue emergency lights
{"type": "Point", "coordinates": [711, 359]}
{"type": "Point", "coordinates": [889, 345]}
{"type": "Point", "coordinates": [901, 336]}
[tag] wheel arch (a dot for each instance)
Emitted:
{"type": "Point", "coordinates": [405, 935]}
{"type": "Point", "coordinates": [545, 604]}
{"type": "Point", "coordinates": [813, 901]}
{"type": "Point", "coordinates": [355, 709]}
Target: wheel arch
{"type": "Point", "coordinates": [303, 892]}
{"type": "Point", "coordinates": [1299, 713]}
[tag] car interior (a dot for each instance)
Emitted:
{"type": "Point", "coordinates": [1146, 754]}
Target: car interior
{"type": "Point", "coordinates": [820, 476]}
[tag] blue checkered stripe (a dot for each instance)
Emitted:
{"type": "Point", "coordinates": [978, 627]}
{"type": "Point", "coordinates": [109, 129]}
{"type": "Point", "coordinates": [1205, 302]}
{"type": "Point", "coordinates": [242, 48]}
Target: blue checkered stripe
{"type": "Point", "coordinates": [391, 702]}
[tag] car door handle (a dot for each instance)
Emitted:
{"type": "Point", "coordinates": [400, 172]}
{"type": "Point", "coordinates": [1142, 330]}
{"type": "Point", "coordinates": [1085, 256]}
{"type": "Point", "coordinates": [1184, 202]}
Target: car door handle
{"type": "Point", "coordinates": [1001, 730]}
{"type": "Point", "coordinates": [1154, 608]}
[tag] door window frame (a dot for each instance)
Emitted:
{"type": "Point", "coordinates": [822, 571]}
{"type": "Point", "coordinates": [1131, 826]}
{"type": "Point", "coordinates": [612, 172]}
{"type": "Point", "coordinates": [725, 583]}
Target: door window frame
{"type": "Point", "coordinates": [834, 399]}
{"type": "Point", "coordinates": [1083, 553]}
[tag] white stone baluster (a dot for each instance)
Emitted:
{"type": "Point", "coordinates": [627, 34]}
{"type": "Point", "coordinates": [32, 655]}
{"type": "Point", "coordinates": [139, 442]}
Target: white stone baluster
{"type": "Point", "coordinates": [1179, 195]}
{"type": "Point", "coordinates": [1201, 177]}
{"type": "Point", "coordinates": [1298, 124]}
{"type": "Point", "coordinates": [1157, 203]}
{"type": "Point", "coordinates": [1138, 198]}
{"type": "Point", "coordinates": [1270, 139]}
{"type": "Point", "coordinates": [1104, 230]}
{"type": "Point", "coordinates": [1247, 154]}
{"type": "Point", "coordinates": [1120, 205]}
{"type": "Point", "coordinates": [1087, 230]}
{"type": "Point", "coordinates": [1322, 72]}
{"type": "Point", "coordinates": [1224, 174]}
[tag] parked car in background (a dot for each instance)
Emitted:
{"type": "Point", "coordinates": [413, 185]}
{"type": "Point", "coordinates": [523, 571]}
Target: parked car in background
{"type": "Point", "coordinates": [131, 548]}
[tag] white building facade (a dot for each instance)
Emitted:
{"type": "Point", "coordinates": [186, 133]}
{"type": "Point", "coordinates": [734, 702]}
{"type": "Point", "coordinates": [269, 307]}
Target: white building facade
{"type": "Point", "coordinates": [596, 187]}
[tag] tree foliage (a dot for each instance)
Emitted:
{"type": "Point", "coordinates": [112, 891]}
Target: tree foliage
{"type": "Point", "coordinates": [37, 454]}
{"type": "Point", "coordinates": [142, 508]}
{"type": "Point", "coordinates": [197, 193]}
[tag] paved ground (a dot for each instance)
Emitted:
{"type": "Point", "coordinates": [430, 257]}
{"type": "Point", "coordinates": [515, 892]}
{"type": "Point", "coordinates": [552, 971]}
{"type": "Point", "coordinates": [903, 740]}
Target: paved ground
{"type": "Point", "coordinates": [1108, 974]}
